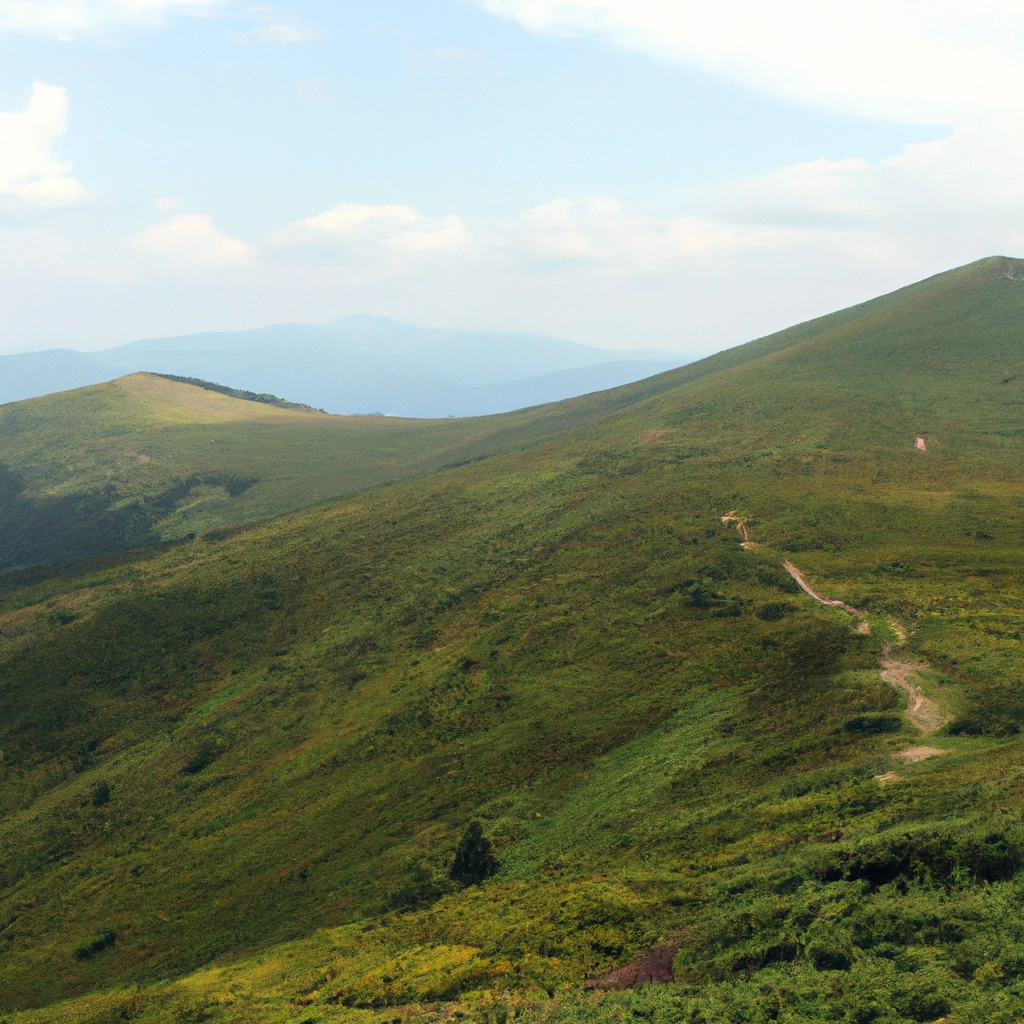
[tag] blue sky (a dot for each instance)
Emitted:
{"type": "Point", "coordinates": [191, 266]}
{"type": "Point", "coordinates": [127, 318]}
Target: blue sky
{"type": "Point", "coordinates": [602, 171]}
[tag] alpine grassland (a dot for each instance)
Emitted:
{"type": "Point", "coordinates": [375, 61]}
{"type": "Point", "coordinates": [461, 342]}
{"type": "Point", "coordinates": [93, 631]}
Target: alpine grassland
{"type": "Point", "coordinates": [555, 735]}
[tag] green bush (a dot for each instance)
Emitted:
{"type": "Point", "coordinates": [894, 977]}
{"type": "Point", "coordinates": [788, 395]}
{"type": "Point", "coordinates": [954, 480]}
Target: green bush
{"type": "Point", "coordinates": [474, 858]}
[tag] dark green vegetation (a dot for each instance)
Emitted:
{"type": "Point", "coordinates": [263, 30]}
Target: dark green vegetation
{"type": "Point", "coordinates": [252, 762]}
{"type": "Point", "coordinates": [247, 396]}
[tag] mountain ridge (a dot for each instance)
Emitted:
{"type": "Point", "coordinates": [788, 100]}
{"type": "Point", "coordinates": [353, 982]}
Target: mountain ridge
{"type": "Point", "coordinates": [356, 365]}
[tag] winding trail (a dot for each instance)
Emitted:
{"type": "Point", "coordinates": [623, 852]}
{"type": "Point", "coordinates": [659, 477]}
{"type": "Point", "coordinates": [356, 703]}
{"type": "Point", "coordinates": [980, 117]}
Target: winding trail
{"type": "Point", "coordinates": [741, 525]}
{"type": "Point", "coordinates": [922, 712]}
{"type": "Point", "coordinates": [820, 598]}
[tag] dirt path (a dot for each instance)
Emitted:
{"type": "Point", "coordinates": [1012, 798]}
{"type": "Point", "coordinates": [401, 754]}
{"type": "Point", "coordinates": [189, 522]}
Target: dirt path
{"type": "Point", "coordinates": [741, 525]}
{"type": "Point", "coordinates": [922, 712]}
{"type": "Point", "coordinates": [821, 599]}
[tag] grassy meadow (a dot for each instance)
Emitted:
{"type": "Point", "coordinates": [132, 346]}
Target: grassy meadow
{"type": "Point", "coordinates": [235, 771]}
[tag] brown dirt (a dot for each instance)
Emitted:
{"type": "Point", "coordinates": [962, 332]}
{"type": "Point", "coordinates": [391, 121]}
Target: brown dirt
{"type": "Point", "coordinates": [653, 435]}
{"type": "Point", "coordinates": [915, 754]}
{"type": "Point", "coordinates": [810, 591]}
{"type": "Point", "coordinates": [741, 524]}
{"type": "Point", "coordinates": [655, 967]}
{"type": "Point", "coordinates": [922, 712]}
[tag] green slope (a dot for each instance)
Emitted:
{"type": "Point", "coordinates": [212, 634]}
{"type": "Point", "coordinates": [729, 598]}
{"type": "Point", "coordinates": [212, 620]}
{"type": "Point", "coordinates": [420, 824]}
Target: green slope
{"type": "Point", "coordinates": [259, 751]}
{"type": "Point", "coordinates": [145, 459]}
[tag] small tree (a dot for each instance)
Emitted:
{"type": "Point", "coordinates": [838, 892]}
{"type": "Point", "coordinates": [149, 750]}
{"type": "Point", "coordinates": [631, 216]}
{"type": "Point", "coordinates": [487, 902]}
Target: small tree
{"type": "Point", "coordinates": [474, 858]}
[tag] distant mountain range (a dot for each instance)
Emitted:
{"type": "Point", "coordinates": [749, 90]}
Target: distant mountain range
{"type": "Point", "coordinates": [360, 364]}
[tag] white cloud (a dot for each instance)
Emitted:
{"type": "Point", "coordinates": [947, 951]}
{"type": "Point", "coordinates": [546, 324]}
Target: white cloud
{"type": "Point", "coordinates": [391, 228]}
{"type": "Point", "coordinates": [601, 230]}
{"type": "Point", "coordinates": [63, 17]}
{"type": "Point", "coordinates": [270, 29]}
{"type": "Point", "coordinates": [812, 236]}
{"type": "Point", "coordinates": [191, 241]}
{"type": "Point", "coordinates": [927, 60]}
{"type": "Point", "coordinates": [28, 169]}
{"type": "Point", "coordinates": [280, 34]}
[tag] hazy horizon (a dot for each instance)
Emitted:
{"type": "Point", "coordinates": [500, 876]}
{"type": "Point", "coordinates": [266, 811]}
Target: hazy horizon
{"type": "Point", "coordinates": [619, 175]}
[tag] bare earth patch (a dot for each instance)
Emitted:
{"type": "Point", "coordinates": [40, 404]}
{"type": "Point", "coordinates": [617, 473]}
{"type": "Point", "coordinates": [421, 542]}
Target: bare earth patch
{"type": "Point", "coordinates": [656, 967]}
{"type": "Point", "coordinates": [922, 712]}
{"type": "Point", "coordinates": [887, 777]}
{"type": "Point", "coordinates": [653, 435]}
{"type": "Point", "coordinates": [811, 592]}
{"type": "Point", "coordinates": [915, 754]}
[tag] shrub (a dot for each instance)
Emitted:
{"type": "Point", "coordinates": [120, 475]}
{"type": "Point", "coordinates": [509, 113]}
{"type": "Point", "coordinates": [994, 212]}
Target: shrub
{"type": "Point", "coordinates": [102, 941]}
{"type": "Point", "coordinates": [872, 725]}
{"type": "Point", "coordinates": [773, 611]}
{"type": "Point", "coordinates": [205, 755]}
{"type": "Point", "coordinates": [474, 858]}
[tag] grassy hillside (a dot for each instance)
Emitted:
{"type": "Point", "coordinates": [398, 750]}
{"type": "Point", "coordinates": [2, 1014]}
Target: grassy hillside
{"type": "Point", "coordinates": [145, 459]}
{"type": "Point", "coordinates": [247, 762]}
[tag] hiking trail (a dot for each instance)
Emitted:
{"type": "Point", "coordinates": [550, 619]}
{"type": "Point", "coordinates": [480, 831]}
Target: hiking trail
{"type": "Point", "coordinates": [922, 712]}
{"type": "Point", "coordinates": [820, 598]}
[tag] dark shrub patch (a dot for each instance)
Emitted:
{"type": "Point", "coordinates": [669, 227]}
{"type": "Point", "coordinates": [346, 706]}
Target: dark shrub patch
{"type": "Point", "coordinates": [102, 941]}
{"type": "Point", "coordinates": [872, 725]}
{"type": "Point", "coordinates": [205, 755]}
{"type": "Point", "coordinates": [776, 578]}
{"type": "Point", "coordinates": [826, 958]}
{"type": "Point", "coordinates": [731, 611]}
{"type": "Point", "coordinates": [474, 858]}
{"type": "Point", "coordinates": [773, 611]}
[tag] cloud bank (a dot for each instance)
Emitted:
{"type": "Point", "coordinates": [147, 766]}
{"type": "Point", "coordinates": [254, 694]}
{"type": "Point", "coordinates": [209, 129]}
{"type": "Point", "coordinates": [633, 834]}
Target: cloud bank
{"type": "Point", "coordinates": [935, 61]}
{"type": "Point", "coordinates": [61, 17]}
{"type": "Point", "coordinates": [361, 229]}
{"type": "Point", "coordinates": [28, 169]}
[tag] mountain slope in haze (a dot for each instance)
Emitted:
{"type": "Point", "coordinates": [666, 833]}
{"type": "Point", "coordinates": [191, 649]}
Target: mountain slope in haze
{"type": "Point", "coordinates": [246, 763]}
{"type": "Point", "coordinates": [360, 365]}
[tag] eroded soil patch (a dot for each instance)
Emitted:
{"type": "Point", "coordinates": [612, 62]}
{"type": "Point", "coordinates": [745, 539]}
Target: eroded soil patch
{"type": "Point", "coordinates": [915, 754]}
{"type": "Point", "coordinates": [655, 967]}
{"type": "Point", "coordinates": [925, 714]}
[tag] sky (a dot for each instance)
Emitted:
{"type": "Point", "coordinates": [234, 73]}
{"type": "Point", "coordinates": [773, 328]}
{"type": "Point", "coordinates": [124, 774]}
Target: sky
{"type": "Point", "coordinates": [623, 173]}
